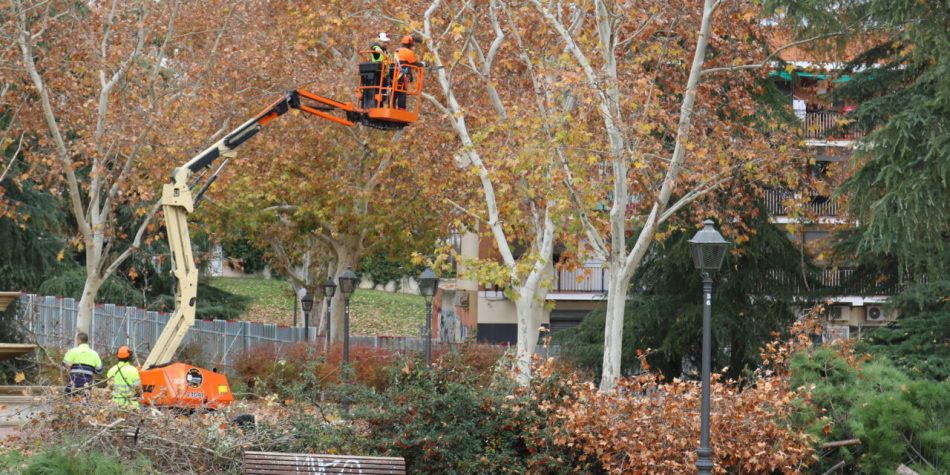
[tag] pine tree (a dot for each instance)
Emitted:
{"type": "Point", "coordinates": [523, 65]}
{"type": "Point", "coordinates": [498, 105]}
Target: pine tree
{"type": "Point", "coordinates": [32, 237]}
{"type": "Point", "coordinates": [752, 298]}
{"type": "Point", "coordinates": [900, 190]}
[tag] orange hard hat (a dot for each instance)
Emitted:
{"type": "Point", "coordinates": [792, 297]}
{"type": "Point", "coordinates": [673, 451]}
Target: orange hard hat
{"type": "Point", "coordinates": [407, 40]}
{"type": "Point", "coordinates": [123, 353]}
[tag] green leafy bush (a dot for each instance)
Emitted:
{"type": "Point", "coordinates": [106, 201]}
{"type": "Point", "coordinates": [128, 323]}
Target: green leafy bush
{"type": "Point", "coordinates": [382, 268]}
{"type": "Point", "coordinates": [444, 421]}
{"type": "Point", "coordinates": [213, 303]}
{"type": "Point", "coordinates": [251, 256]}
{"type": "Point", "coordinates": [59, 462]}
{"type": "Point", "coordinates": [71, 280]}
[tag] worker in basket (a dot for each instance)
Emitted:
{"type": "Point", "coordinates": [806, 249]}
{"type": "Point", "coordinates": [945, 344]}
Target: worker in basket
{"type": "Point", "coordinates": [83, 363]}
{"type": "Point", "coordinates": [380, 49]}
{"type": "Point", "coordinates": [124, 380]}
{"type": "Point", "coordinates": [380, 55]}
{"type": "Point", "coordinates": [405, 57]}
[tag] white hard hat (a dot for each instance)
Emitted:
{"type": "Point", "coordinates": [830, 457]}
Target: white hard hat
{"type": "Point", "coordinates": [383, 36]}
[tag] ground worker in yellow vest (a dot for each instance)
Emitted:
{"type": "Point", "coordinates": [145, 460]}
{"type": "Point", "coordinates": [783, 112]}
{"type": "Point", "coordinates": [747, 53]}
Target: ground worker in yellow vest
{"type": "Point", "coordinates": [83, 363]}
{"type": "Point", "coordinates": [124, 380]}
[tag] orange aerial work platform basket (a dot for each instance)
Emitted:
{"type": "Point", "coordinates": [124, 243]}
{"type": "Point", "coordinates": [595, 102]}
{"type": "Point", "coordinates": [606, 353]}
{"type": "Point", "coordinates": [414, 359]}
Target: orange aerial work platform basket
{"type": "Point", "coordinates": [389, 92]}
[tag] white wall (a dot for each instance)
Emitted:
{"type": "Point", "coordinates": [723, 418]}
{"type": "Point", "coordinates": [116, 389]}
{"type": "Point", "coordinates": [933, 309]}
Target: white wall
{"type": "Point", "coordinates": [407, 285]}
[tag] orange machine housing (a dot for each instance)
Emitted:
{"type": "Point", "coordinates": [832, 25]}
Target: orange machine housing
{"type": "Point", "coordinates": [185, 386]}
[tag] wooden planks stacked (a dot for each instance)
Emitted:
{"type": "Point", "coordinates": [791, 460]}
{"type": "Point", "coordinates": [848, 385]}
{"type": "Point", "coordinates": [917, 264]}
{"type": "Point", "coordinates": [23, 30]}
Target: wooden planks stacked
{"type": "Point", "coordinates": [274, 463]}
{"type": "Point", "coordinates": [6, 298]}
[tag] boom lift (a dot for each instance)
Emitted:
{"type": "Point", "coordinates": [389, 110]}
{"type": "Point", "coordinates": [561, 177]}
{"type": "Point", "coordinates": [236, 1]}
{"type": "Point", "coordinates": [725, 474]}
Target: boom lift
{"type": "Point", "coordinates": [180, 385]}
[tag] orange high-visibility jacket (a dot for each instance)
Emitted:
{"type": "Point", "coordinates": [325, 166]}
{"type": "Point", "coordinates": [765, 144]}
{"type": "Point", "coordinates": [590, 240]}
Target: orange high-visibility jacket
{"type": "Point", "coordinates": [406, 55]}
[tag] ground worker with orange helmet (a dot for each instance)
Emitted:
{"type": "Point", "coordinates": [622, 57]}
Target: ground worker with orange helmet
{"type": "Point", "coordinates": [124, 380]}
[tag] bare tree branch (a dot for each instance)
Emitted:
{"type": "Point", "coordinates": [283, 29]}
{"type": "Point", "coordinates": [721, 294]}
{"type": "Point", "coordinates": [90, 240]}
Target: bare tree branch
{"type": "Point", "coordinates": [593, 235]}
{"type": "Point", "coordinates": [457, 119]}
{"type": "Point", "coordinates": [6, 170]}
{"type": "Point", "coordinates": [136, 243]}
{"type": "Point", "coordinates": [72, 183]}
{"type": "Point", "coordinates": [768, 59]}
{"type": "Point", "coordinates": [465, 210]}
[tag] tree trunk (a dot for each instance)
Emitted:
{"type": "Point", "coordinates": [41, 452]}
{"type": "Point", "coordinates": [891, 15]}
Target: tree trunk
{"type": "Point", "coordinates": [613, 327]}
{"type": "Point", "coordinates": [628, 263]}
{"type": "Point", "coordinates": [527, 338]}
{"type": "Point", "coordinates": [529, 307]}
{"type": "Point", "coordinates": [87, 303]}
{"type": "Point", "coordinates": [322, 318]}
{"type": "Point", "coordinates": [347, 255]}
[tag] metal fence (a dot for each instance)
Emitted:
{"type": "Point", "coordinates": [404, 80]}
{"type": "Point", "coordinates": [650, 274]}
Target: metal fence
{"type": "Point", "coordinates": [51, 322]}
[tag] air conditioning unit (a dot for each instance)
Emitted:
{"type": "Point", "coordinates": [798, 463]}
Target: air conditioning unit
{"type": "Point", "coordinates": [876, 313]}
{"type": "Point", "coordinates": [838, 313]}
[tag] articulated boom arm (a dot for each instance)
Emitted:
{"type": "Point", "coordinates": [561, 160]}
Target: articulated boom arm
{"type": "Point", "coordinates": [177, 202]}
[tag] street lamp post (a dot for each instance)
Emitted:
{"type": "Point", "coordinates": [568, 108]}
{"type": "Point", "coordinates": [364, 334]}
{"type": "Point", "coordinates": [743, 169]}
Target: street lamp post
{"type": "Point", "coordinates": [307, 303]}
{"type": "Point", "coordinates": [347, 282]}
{"type": "Point", "coordinates": [428, 283]}
{"type": "Point", "coordinates": [329, 288]}
{"type": "Point", "coordinates": [708, 249]}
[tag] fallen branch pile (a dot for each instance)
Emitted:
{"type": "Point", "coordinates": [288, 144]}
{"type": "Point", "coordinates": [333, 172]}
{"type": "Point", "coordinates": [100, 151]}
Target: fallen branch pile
{"type": "Point", "coordinates": [173, 441]}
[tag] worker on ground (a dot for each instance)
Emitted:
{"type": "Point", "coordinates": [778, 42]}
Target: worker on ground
{"type": "Point", "coordinates": [380, 48]}
{"type": "Point", "coordinates": [124, 380]}
{"type": "Point", "coordinates": [83, 363]}
{"type": "Point", "coordinates": [404, 56]}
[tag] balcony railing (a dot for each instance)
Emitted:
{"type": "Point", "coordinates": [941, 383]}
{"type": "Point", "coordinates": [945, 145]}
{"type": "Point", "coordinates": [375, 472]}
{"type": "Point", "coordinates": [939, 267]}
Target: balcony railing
{"type": "Point", "coordinates": [828, 125]}
{"type": "Point", "coordinates": [820, 206]}
{"type": "Point", "coordinates": [590, 278]}
{"type": "Point", "coordinates": [841, 281]}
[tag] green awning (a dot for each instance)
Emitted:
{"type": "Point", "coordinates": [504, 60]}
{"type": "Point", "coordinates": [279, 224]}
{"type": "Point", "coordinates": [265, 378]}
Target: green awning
{"type": "Point", "coordinates": [788, 76]}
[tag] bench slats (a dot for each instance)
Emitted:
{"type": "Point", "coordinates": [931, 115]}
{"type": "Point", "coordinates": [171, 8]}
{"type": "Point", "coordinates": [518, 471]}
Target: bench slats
{"type": "Point", "coordinates": [364, 467]}
{"type": "Point", "coordinates": [255, 454]}
{"type": "Point", "coordinates": [274, 463]}
{"type": "Point", "coordinates": [318, 470]}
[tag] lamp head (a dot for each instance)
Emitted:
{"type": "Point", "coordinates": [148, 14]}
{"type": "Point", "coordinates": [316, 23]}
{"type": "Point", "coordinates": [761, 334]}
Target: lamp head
{"type": "Point", "coordinates": [307, 302]}
{"type": "Point", "coordinates": [329, 288]}
{"type": "Point", "coordinates": [428, 283]}
{"type": "Point", "coordinates": [347, 282]}
{"type": "Point", "coordinates": [708, 248]}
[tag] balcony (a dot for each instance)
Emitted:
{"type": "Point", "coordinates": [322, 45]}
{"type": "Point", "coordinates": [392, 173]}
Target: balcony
{"type": "Point", "coordinates": [589, 278]}
{"type": "Point", "coordinates": [829, 125]}
{"type": "Point", "coordinates": [820, 206]}
{"type": "Point", "coordinates": [839, 281]}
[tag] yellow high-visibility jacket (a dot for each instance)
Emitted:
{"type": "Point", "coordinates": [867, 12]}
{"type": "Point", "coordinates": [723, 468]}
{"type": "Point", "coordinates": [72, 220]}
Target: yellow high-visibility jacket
{"type": "Point", "coordinates": [124, 380]}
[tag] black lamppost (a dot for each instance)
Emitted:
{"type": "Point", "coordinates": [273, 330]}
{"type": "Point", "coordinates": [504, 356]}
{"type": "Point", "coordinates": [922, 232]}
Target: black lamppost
{"type": "Point", "coordinates": [307, 303]}
{"type": "Point", "coordinates": [347, 282]}
{"type": "Point", "coordinates": [708, 249]}
{"type": "Point", "coordinates": [329, 288]}
{"type": "Point", "coordinates": [428, 283]}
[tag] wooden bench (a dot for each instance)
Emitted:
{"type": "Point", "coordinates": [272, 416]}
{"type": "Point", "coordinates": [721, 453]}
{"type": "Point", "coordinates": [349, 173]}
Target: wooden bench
{"type": "Point", "coordinates": [274, 463]}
